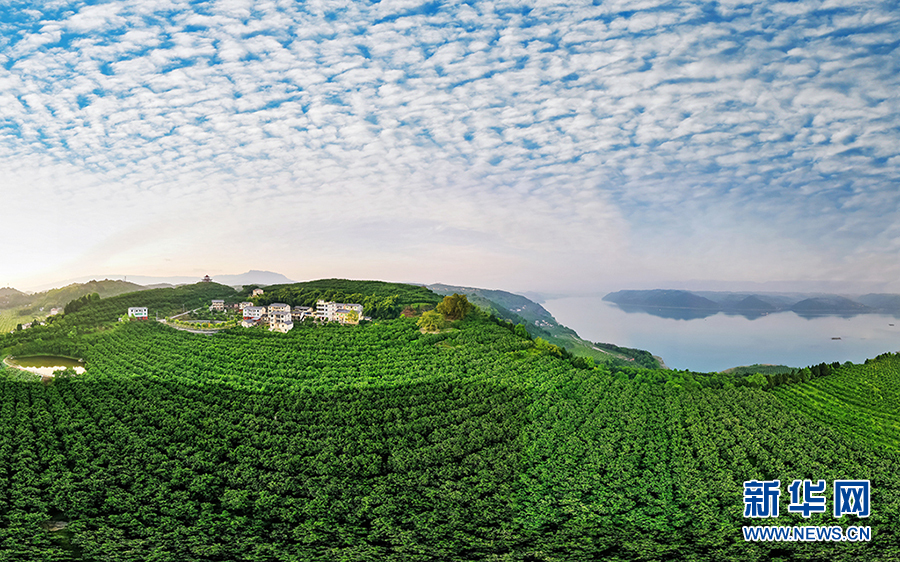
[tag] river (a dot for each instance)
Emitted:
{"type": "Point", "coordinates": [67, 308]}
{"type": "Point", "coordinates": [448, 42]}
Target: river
{"type": "Point", "coordinates": [719, 341]}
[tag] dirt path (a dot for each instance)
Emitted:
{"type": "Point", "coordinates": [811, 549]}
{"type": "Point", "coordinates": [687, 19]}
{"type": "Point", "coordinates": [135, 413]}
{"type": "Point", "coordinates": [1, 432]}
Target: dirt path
{"type": "Point", "coordinates": [192, 330]}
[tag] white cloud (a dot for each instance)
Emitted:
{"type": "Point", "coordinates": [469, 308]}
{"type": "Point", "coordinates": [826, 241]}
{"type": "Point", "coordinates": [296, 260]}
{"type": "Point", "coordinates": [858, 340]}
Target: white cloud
{"type": "Point", "coordinates": [547, 136]}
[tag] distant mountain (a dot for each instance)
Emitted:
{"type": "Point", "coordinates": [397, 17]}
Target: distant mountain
{"type": "Point", "coordinates": [881, 301]}
{"type": "Point", "coordinates": [249, 278]}
{"type": "Point", "coordinates": [732, 301]}
{"type": "Point", "coordinates": [21, 308]}
{"type": "Point", "coordinates": [252, 277]}
{"type": "Point", "coordinates": [829, 304]}
{"type": "Point", "coordinates": [753, 304]}
{"type": "Point", "coordinates": [41, 303]}
{"type": "Point", "coordinates": [663, 298]}
{"type": "Point", "coordinates": [681, 304]}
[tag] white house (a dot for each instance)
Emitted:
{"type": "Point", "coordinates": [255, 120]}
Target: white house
{"type": "Point", "coordinates": [256, 292]}
{"type": "Point", "coordinates": [252, 315]}
{"type": "Point", "coordinates": [298, 313]}
{"type": "Point", "coordinates": [280, 321]}
{"type": "Point", "coordinates": [254, 312]}
{"type": "Point", "coordinates": [217, 304]}
{"type": "Point", "coordinates": [329, 310]}
{"type": "Point", "coordinates": [244, 305]}
{"type": "Point", "coordinates": [279, 307]}
{"type": "Point", "coordinates": [139, 312]}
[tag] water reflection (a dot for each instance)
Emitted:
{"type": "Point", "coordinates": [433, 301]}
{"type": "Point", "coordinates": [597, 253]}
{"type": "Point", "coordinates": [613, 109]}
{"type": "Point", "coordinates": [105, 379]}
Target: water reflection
{"type": "Point", "coordinates": [711, 340]}
{"type": "Point", "coordinates": [46, 365]}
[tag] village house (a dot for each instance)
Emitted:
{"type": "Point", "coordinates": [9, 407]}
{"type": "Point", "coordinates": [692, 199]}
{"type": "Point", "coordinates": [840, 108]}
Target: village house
{"type": "Point", "coordinates": [338, 311]}
{"type": "Point", "coordinates": [279, 307]}
{"type": "Point", "coordinates": [299, 313]}
{"type": "Point", "coordinates": [252, 315]}
{"type": "Point", "coordinates": [256, 293]}
{"type": "Point", "coordinates": [281, 317]}
{"type": "Point", "coordinates": [139, 312]}
{"type": "Point", "coordinates": [217, 304]}
{"type": "Point", "coordinates": [280, 321]}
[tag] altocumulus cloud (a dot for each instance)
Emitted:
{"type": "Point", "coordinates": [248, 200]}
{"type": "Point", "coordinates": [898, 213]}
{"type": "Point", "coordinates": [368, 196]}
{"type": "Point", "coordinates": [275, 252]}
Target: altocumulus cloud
{"type": "Point", "coordinates": [561, 141]}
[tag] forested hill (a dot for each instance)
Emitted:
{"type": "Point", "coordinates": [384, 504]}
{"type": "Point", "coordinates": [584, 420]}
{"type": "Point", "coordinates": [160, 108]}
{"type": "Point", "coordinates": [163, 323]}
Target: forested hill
{"type": "Point", "coordinates": [541, 324]}
{"type": "Point", "coordinates": [20, 308]}
{"type": "Point", "coordinates": [348, 290]}
{"type": "Point", "coordinates": [662, 298]}
{"type": "Point", "coordinates": [10, 297]}
{"type": "Point", "coordinates": [755, 303]}
{"type": "Point", "coordinates": [90, 312]}
{"type": "Point", "coordinates": [380, 442]}
{"type": "Point", "coordinates": [59, 297]}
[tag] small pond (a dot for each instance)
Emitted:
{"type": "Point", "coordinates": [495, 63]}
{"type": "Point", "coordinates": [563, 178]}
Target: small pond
{"type": "Point", "coordinates": [45, 365]}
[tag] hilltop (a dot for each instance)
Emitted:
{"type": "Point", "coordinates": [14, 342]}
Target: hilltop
{"type": "Point", "coordinates": [17, 307]}
{"type": "Point", "coordinates": [10, 297]}
{"type": "Point", "coordinates": [540, 323]}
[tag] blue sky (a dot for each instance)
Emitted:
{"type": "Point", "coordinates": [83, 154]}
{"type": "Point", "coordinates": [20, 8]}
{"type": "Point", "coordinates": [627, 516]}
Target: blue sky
{"type": "Point", "coordinates": [550, 146]}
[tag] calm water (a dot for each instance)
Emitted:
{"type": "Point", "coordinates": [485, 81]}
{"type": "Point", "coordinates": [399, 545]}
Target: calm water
{"type": "Point", "coordinates": [46, 364]}
{"type": "Point", "coordinates": [721, 341]}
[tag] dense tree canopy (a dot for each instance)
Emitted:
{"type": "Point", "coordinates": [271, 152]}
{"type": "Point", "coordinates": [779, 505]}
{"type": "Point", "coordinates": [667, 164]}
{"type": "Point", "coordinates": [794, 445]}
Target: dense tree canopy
{"type": "Point", "coordinates": [380, 442]}
{"type": "Point", "coordinates": [454, 307]}
{"type": "Point", "coordinates": [431, 321]}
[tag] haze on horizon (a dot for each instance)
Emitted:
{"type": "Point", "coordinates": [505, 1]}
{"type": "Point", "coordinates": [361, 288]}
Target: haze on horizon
{"type": "Point", "coordinates": [536, 146]}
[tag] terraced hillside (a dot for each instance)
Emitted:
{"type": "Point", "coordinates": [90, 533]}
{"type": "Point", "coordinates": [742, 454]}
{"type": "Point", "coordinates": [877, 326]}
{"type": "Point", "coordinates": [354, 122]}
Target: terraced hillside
{"type": "Point", "coordinates": [379, 442]}
{"type": "Point", "coordinates": [861, 400]}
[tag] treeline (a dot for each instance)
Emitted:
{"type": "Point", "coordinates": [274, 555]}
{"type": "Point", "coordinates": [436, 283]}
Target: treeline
{"type": "Point", "coordinates": [693, 380]}
{"type": "Point", "coordinates": [77, 304]}
{"type": "Point", "coordinates": [771, 380]}
{"type": "Point", "coordinates": [641, 357]}
{"type": "Point", "coordinates": [405, 294]}
{"type": "Point", "coordinates": [759, 368]}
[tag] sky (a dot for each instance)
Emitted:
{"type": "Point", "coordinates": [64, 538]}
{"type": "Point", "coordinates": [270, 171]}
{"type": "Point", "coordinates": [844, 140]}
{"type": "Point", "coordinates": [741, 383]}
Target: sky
{"type": "Point", "coordinates": [522, 145]}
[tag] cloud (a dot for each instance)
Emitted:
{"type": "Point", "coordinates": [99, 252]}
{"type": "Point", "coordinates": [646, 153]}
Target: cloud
{"type": "Point", "coordinates": [549, 132]}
